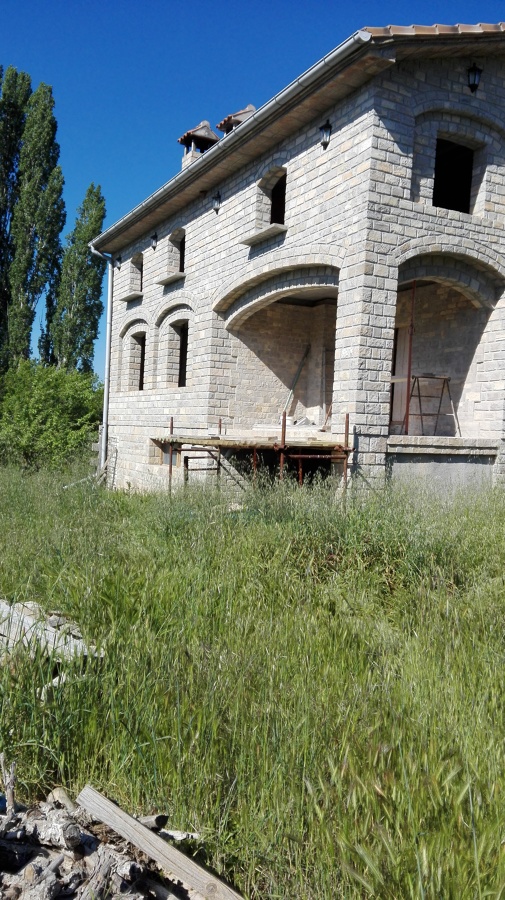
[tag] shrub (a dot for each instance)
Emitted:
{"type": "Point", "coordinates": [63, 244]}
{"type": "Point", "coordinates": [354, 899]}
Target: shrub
{"type": "Point", "coordinates": [47, 414]}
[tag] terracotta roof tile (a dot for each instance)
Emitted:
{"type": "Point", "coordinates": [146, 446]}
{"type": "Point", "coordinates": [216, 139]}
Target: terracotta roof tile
{"type": "Point", "coordinates": [202, 134]}
{"type": "Point", "coordinates": [237, 118]}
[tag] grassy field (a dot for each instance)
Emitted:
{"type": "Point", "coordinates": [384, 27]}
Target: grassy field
{"type": "Point", "coordinates": [317, 691]}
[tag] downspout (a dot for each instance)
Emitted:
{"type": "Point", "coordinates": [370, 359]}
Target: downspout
{"type": "Point", "coordinates": [108, 334]}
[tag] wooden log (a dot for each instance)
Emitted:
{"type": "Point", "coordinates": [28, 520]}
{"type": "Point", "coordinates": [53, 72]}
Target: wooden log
{"type": "Point", "coordinates": [58, 795]}
{"type": "Point", "coordinates": [154, 823]}
{"type": "Point", "coordinates": [56, 829]}
{"type": "Point", "coordinates": [170, 835]}
{"type": "Point", "coordinates": [98, 882]}
{"type": "Point", "coordinates": [177, 866]}
{"type": "Point", "coordinates": [47, 889]}
{"type": "Point", "coordinates": [51, 868]}
{"type": "Point", "coordinates": [7, 822]}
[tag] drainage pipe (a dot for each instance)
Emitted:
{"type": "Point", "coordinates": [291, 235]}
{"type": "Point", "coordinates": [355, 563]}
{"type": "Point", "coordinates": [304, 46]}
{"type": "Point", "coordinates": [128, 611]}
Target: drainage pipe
{"type": "Point", "coordinates": [108, 333]}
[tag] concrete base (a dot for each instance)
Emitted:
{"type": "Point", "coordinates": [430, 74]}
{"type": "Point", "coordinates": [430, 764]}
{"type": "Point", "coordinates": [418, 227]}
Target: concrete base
{"type": "Point", "coordinates": [450, 463]}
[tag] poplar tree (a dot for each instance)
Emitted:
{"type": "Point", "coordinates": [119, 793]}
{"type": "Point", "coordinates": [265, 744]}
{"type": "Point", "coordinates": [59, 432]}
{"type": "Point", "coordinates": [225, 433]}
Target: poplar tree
{"type": "Point", "coordinates": [15, 91]}
{"type": "Point", "coordinates": [37, 220]}
{"type": "Point", "coordinates": [72, 325]}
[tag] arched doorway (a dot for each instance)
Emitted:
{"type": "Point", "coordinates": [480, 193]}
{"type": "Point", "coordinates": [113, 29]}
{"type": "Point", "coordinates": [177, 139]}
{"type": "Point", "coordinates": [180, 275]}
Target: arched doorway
{"type": "Point", "coordinates": [442, 362]}
{"type": "Point", "coordinates": [284, 348]}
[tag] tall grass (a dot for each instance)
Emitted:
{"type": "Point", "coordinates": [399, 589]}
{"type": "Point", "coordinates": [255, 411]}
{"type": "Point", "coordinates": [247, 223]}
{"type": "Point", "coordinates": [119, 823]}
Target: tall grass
{"type": "Point", "coordinates": [317, 692]}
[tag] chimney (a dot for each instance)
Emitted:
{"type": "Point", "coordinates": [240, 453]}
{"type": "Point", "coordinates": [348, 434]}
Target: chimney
{"type": "Point", "coordinates": [231, 121]}
{"type": "Point", "coordinates": [197, 141]}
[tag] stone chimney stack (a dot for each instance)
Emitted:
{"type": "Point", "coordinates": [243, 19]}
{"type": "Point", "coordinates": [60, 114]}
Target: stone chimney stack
{"type": "Point", "coordinates": [197, 141]}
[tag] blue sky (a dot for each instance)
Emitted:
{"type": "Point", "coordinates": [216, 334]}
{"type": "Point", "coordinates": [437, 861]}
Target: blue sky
{"type": "Point", "coordinates": [130, 77]}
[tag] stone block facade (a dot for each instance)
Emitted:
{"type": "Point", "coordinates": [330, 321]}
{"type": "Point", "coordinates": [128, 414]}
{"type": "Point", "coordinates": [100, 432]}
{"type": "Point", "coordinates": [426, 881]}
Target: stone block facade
{"type": "Point", "coordinates": [357, 283]}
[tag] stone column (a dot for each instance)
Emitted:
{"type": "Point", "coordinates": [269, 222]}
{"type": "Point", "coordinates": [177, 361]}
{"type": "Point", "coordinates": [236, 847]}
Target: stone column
{"type": "Point", "coordinates": [364, 341]}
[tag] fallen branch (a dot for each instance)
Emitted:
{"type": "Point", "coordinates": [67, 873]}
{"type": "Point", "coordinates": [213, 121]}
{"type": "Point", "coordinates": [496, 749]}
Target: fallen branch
{"type": "Point", "coordinates": [177, 866]}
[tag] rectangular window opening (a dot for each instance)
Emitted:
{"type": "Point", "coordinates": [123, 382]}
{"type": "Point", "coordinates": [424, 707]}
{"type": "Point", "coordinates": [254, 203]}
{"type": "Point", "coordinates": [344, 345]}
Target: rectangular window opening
{"type": "Point", "coordinates": [141, 341]}
{"type": "Point", "coordinates": [452, 187]}
{"type": "Point", "coordinates": [183, 354]}
{"type": "Point", "coordinates": [278, 209]}
{"type": "Point", "coordinates": [182, 253]}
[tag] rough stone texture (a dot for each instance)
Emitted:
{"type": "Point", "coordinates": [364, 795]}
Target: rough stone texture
{"type": "Point", "coordinates": [359, 225]}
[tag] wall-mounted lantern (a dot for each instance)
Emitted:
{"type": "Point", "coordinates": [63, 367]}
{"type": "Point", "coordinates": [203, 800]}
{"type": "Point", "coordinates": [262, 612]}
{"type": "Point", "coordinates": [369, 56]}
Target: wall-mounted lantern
{"type": "Point", "coordinates": [117, 263]}
{"type": "Point", "coordinates": [154, 240]}
{"type": "Point", "coordinates": [325, 134]}
{"type": "Point", "coordinates": [216, 202]}
{"type": "Point", "coordinates": [473, 74]}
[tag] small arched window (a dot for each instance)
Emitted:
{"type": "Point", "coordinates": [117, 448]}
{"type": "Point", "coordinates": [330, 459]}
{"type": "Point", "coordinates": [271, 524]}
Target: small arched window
{"type": "Point", "coordinates": [270, 212]}
{"type": "Point", "coordinates": [176, 257]}
{"type": "Point", "coordinates": [137, 273]}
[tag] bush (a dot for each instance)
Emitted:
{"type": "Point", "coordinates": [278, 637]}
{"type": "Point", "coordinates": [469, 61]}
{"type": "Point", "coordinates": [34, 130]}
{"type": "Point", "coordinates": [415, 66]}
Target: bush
{"type": "Point", "coordinates": [47, 414]}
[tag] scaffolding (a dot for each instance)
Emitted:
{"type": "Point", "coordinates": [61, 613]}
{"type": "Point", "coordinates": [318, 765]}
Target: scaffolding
{"type": "Point", "coordinates": [298, 450]}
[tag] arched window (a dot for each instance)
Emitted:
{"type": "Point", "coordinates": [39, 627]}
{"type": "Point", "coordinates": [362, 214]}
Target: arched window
{"type": "Point", "coordinates": [176, 257]}
{"type": "Point", "coordinates": [270, 212]}
{"type": "Point", "coordinates": [173, 343]}
{"type": "Point", "coordinates": [131, 286]}
{"type": "Point", "coordinates": [137, 273]}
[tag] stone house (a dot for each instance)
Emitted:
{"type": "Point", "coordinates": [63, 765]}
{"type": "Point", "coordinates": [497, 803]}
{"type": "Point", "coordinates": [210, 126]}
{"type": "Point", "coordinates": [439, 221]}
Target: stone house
{"type": "Point", "coordinates": [337, 253]}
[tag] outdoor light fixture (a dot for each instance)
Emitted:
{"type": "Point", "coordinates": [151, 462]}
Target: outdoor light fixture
{"type": "Point", "coordinates": [154, 240]}
{"type": "Point", "coordinates": [117, 263]}
{"type": "Point", "coordinates": [216, 202]}
{"type": "Point", "coordinates": [473, 74]}
{"type": "Point", "coordinates": [325, 134]}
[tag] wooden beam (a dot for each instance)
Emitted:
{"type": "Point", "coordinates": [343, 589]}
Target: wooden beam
{"type": "Point", "coordinates": [172, 861]}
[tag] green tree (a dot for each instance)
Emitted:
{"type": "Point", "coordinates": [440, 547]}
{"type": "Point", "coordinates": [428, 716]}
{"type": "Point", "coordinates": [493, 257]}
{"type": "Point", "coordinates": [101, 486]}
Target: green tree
{"type": "Point", "coordinates": [72, 324]}
{"type": "Point", "coordinates": [47, 415]}
{"type": "Point", "coordinates": [15, 91]}
{"type": "Point", "coordinates": [37, 220]}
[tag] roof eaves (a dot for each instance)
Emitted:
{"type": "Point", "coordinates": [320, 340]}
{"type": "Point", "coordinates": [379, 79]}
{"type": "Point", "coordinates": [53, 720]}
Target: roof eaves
{"type": "Point", "coordinates": [254, 123]}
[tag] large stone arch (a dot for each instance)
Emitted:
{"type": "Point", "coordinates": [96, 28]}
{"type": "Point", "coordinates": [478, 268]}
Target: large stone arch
{"type": "Point", "coordinates": [453, 298]}
{"type": "Point", "coordinates": [460, 108]}
{"type": "Point", "coordinates": [284, 261]}
{"type": "Point", "coordinates": [297, 284]}
{"type": "Point", "coordinates": [475, 284]}
{"type": "Point", "coordinates": [282, 323]}
{"type": "Point", "coordinates": [479, 255]}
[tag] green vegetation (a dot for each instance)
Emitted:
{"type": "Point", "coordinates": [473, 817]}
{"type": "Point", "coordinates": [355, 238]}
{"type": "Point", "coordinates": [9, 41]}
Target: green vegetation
{"type": "Point", "coordinates": [33, 265]}
{"type": "Point", "coordinates": [47, 415]}
{"type": "Point", "coordinates": [72, 320]}
{"type": "Point", "coordinates": [317, 691]}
